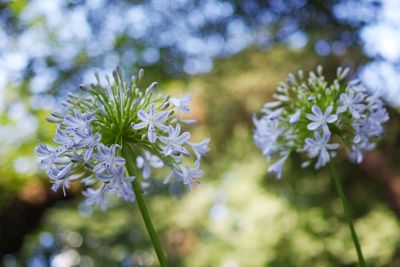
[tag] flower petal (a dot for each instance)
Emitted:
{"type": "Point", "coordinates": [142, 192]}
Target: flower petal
{"type": "Point", "coordinates": [313, 126]}
{"type": "Point", "coordinates": [146, 171]}
{"type": "Point", "coordinates": [328, 110]}
{"type": "Point", "coordinates": [152, 111]}
{"type": "Point", "coordinates": [161, 126]}
{"type": "Point", "coordinates": [143, 115]}
{"type": "Point", "coordinates": [152, 133]}
{"type": "Point", "coordinates": [139, 125]}
{"type": "Point", "coordinates": [312, 117]}
{"type": "Point", "coordinates": [295, 117]}
{"type": "Point", "coordinates": [316, 110]}
{"type": "Point", "coordinates": [161, 116]}
{"type": "Point", "coordinates": [332, 118]}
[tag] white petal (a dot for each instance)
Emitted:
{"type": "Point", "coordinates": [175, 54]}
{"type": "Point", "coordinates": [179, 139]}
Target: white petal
{"type": "Point", "coordinates": [139, 162]}
{"type": "Point", "coordinates": [146, 171]}
{"type": "Point", "coordinates": [295, 117]}
{"type": "Point", "coordinates": [332, 118]}
{"type": "Point", "coordinates": [139, 125]}
{"type": "Point", "coordinates": [162, 116]}
{"type": "Point", "coordinates": [152, 133]}
{"type": "Point", "coordinates": [152, 111]}
{"type": "Point", "coordinates": [328, 110]}
{"type": "Point", "coordinates": [341, 109]}
{"type": "Point", "coordinates": [313, 126]}
{"type": "Point", "coordinates": [316, 110]}
{"type": "Point", "coordinates": [161, 126]}
{"type": "Point", "coordinates": [312, 117]}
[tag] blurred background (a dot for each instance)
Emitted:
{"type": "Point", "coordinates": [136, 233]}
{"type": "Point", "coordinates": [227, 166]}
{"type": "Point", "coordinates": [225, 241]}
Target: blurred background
{"type": "Point", "coordinates": [231, 55]}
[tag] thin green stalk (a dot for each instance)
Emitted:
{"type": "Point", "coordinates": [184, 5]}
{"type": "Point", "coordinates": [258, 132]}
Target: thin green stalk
{"type": "Point", "coordinates": [346, 209]}
{"type": "Point", "coordinates": [129, 157]}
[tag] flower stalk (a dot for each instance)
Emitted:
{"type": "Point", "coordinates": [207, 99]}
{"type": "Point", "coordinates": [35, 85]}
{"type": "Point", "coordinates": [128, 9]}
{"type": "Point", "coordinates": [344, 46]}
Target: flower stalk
{"type": "Point", "coordinates": [347, 213]}
{"type": "Point", "coordinates": [131, 168]}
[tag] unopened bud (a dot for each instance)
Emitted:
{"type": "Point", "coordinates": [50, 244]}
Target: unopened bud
{"type": "Point", "coordinates": [102, 111]}
{"type": "Point", "coordinates": [140, 73]}
{"type": "Point", "coordinates": [165, 105]}
{"type": "Point", "coordinates": [115, 75]}
{"type": "Point", "coordinates": [319, 69]}
{"type": "Point", "coordinates": [96, 74]}
{"type": "Point", "coordinates": [119, 71]}
{"type": "Point", "coordinates": [300, 74]}
{"type": "Point", "coordinates": [84, 88]}
{"type": "Point", "coordinates": [53, 119]}
{"type": "Point", "coordinates": [71, 95]}
{"type": "Point", "coordinates": [57, 115]}
{"type": "Point", "coordinates": [108, 79]}
{"type": "Point", "coordinates": [291, 78]}
{"type": "Point", "coordinates": [151, 87]}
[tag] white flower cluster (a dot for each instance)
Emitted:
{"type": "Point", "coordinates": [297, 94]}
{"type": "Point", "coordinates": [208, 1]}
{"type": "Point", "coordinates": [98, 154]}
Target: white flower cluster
{"type": "Point", "coordinates": [104, 119]}
{"type": "Point", "coordinates": [313, 117]}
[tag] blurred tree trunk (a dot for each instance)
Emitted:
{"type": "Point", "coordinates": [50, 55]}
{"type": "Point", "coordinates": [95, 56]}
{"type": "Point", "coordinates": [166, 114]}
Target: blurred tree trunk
{"type": "Point", "coordinates": [24, 214]}
{"type": "Point", "coordinates": [378, 166]}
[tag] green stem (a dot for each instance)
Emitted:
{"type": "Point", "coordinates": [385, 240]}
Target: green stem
{"type": "Point", "coordinates": [346, 209]}
{"type": "Point", "coordinates": [129, 157]}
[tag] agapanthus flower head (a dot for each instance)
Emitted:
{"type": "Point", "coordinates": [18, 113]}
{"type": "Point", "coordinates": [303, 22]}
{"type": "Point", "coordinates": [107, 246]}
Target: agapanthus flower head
{"type": "Point", "coordinates": [102, 119]}
{"type": "Point", "coordinates": [315, 118]}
